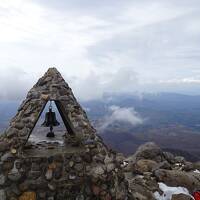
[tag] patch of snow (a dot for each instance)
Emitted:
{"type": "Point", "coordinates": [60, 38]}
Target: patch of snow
{"type": "Point", "coordinates": [140, 176]}
{"type": "Point", "coordinates": [169, 191]}
{"type": "Point", "coordinates": [124, 164]}
{"type": "Point", "coordinates": [196, 171]}
{"type": "Point", "coordinates": [178, 164]}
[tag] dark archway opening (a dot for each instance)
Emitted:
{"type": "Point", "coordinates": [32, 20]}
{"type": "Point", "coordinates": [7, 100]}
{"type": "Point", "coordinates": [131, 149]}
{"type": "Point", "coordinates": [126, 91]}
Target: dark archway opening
{"type": "Point", "coordinates": [65, 140]}
{"type": "Point", "coordinates": [65, 129]}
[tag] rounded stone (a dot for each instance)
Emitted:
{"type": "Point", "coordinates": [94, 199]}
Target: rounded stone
{"type": "Point", "coordinates": [80, 197]}
{"type": "Point", "coordinates": [71, 163]}
{"type": "Point", "coordinates": [49, 174]}
{"type": "Point", "coordinates": [51, 186]}
{"type": "Point", "coordinates": [181, 197]}
{"type": "Point", "coordinates": [110, 167]}
{"type": "Point", "coordinates": [6, 157]}
{"type": "Point", "coordinates": [19, 125]}
{"type": "Point", "coordinates": [28, 196]}
{"type": "Point", "coordinates": [2, 195]}
{"type": "Point", "coordinates": [72, 177]}
{"type": "Point", "coordinates": [2, 179]}
{"type": "Point", "coordinates": [78, 167]}
{"type": "Point", "coordinates": [98, 170]}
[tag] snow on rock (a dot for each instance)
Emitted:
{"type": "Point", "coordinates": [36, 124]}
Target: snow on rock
{"type": "Point", "coordinates": [197, 171]}
{"type": "Point", "coordinates": [169, 191]}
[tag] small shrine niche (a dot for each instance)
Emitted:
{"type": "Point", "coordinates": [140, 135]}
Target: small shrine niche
{"type": "Point", "coordinates": [52, 131]}
{"type": "Point", "coordinates": [49, 129]}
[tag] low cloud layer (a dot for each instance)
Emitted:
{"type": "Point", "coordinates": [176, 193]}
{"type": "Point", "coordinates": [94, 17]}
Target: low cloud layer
{"type": "Point", "coordinates": [122, 114]}
{"type": "Point", "coordinates": [16, 83]}
{"type": "Point", "coordinates": [95, 85]}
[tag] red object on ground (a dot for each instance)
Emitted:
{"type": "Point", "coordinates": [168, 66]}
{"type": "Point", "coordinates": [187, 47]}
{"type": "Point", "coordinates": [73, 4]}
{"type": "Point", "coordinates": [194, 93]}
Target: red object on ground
{"type": "Point", "coordinates": [196, 195]}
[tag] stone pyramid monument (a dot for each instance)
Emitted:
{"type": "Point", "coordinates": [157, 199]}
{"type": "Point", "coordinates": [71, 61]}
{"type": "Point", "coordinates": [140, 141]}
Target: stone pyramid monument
{"type": "Point", "coordinates": [50, 87]}
{"type": "Point", "coordinates": [82, 169]}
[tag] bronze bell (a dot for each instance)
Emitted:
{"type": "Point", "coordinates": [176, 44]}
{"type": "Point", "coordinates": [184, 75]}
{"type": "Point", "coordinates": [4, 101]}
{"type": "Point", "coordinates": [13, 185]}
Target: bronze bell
{"type": "Point", "coordinates": [50, 121]}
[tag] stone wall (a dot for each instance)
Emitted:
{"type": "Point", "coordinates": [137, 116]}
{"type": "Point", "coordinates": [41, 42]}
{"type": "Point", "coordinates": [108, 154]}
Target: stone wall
{"type": "Point", "coordinates": [91, 173]}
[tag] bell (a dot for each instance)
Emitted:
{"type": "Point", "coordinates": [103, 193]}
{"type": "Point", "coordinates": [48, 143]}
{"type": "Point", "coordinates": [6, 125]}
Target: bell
{"type": "Point", "coordinates": [50, 121]}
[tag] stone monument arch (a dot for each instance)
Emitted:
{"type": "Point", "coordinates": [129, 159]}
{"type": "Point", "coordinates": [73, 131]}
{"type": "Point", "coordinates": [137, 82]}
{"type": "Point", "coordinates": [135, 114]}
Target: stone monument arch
{"type": "Point", "coordinates": [51, 87]}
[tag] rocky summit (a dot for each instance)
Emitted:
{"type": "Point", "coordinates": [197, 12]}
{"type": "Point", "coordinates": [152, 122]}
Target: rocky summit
{"type": "Point", "coordinates": [82, 167]}
{"type": "Point", "coordinates": [150, 166]}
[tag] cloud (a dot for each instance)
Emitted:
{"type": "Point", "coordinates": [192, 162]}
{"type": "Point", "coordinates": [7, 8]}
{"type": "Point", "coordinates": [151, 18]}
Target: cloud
{"type": "Point", "coordinates": [95, 85]}
{"type": "Point", "coordinates": [100, 46]}
{"type": "Point", "coordinates": [122, 114]}
{"type": "Point", "coordinates": [14, 84]}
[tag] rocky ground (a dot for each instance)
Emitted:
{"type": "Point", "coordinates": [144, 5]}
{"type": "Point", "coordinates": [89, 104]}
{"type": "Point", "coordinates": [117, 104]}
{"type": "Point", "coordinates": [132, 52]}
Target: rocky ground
{"type": "Point", "coordinates": [150, 167]}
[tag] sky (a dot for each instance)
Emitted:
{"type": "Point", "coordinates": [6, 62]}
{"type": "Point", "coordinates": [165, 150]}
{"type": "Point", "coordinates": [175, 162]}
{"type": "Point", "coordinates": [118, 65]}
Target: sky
{"type": "Point", "coordinates": [125, 46]}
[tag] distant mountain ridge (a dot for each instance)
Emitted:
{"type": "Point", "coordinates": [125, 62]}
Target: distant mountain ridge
{"type": "Point", "coordinates": [160, 109]}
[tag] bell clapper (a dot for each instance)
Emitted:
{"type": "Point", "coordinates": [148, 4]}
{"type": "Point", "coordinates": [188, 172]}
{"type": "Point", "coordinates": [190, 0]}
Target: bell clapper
{"type": "Point", "coordinates": [51, 133]}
